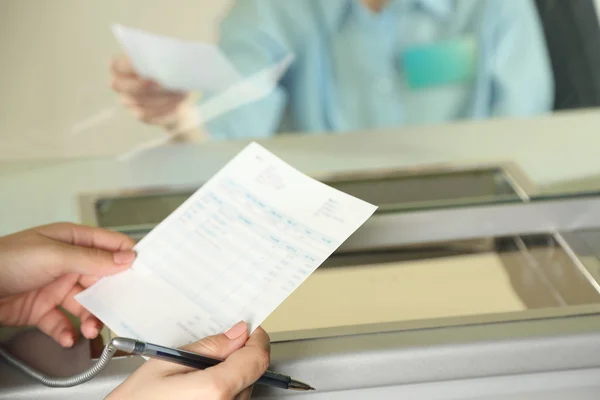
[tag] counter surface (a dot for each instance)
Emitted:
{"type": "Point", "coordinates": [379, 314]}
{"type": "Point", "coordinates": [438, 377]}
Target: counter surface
{"type": "Point", "coordinates": [544, 359]}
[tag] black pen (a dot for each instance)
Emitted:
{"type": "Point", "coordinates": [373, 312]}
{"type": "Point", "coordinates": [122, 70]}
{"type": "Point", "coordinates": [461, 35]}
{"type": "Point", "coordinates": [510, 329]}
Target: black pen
{"type": "Point", "coordinates": [193, 360]}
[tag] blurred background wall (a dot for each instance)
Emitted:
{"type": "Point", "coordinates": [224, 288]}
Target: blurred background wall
{"type": "Point", "coordinates": [54, 57]}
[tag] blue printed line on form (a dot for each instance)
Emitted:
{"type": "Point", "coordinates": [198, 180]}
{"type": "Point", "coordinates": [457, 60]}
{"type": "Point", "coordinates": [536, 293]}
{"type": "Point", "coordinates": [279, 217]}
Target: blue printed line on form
{"type": "Point", "coordinates": [280, 216]}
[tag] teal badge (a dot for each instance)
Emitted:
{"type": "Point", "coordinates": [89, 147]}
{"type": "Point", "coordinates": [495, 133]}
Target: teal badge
{"type": "Point", "coordinates": [440, 63]}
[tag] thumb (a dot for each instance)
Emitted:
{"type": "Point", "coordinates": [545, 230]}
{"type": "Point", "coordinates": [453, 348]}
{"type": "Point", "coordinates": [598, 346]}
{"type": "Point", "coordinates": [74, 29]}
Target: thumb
{"type": "Point", "coordinates": [93, 261]}
{"type": "Point", "coordinates": [218, 346]}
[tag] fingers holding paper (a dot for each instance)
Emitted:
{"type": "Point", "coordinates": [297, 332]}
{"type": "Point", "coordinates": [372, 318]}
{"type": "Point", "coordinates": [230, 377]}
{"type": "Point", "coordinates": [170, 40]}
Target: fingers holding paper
{"type": "Point", "coordinates": [246, 360]}
{"type": "Point", "coordinates": [147, 100]}
{"type": "Point", "coordinates": [218, 347]}
{"type": "Point", "coordinates": [42, 269]}
{"type": "Point", "coordinates": [37, 257]}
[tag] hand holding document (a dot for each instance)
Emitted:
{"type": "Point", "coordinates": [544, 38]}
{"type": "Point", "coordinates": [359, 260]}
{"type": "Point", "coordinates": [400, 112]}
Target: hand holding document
{"type": "Point", "coordinates": [233, 251]}
{"type": "Point", "coordinates": [183, 66]}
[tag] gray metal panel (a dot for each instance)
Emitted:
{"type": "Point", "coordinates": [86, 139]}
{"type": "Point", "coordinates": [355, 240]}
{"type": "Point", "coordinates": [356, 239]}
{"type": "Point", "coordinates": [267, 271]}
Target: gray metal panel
{"type": "Point", "coordinates": [393, 230]}
{"type": "Point", "coordinates": [572, 385]}
{"type": "Point", "coordinates": [435, 355]}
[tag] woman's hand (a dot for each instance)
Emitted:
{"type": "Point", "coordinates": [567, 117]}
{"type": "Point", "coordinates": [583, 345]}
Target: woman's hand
{"type": "Point", "coordinates": [43, 268]}
{"type": "Point", "coordinates": [246, 359]}
{"type": "Point", "coordinates": [148, 101]}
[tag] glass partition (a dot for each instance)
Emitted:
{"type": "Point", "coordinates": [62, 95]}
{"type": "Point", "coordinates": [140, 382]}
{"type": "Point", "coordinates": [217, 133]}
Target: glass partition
{"type": "Point", "coordinates": [456, 283]}
{"type": "Point", "coordinates": [410, 105]}
{"type": "Point", "coordinates": [357, 66]}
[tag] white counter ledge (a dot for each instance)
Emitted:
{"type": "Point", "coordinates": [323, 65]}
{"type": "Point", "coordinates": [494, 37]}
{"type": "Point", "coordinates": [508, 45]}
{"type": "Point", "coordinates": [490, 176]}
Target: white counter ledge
{"type": "Point", "coordinates": [551, 150]}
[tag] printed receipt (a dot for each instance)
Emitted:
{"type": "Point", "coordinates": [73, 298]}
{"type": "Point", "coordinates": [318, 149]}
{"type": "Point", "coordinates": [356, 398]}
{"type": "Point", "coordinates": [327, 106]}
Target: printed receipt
{"type": "Point", "coordinates": [233, 251]}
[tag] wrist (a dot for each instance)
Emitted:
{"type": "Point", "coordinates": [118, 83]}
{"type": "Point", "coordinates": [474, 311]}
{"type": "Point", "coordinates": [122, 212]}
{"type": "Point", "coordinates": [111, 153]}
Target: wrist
{"type": "Point", "coordinates": [186, 125]}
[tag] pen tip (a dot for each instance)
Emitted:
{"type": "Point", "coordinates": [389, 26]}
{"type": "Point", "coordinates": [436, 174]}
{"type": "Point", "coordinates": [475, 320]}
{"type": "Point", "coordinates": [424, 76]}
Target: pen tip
{"type": "Point", "coordinates": [297, 385]}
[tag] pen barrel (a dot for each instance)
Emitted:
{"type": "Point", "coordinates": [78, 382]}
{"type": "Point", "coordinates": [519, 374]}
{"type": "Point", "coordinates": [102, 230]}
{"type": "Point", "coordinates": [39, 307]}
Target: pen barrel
{"type": "Point", "coordinates": [276, 380]}
{"type": "Point", "coordinates": [178, 356]}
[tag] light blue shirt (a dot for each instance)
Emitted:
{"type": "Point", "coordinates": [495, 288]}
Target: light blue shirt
{"type": "Point", "coordinates": [356, 69]}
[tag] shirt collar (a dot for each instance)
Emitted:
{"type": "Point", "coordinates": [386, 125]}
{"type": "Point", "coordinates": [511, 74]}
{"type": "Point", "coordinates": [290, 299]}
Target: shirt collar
{"type": "Point", "coordinates": [439, 8]}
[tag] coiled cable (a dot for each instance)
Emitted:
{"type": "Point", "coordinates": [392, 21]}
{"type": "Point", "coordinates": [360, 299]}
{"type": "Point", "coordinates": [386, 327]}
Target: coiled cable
{"type": "Point", "coordinates": [85, 376]}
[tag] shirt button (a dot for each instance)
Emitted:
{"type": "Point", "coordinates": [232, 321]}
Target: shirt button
{"type": "Point", "coordinates": [384, 85]}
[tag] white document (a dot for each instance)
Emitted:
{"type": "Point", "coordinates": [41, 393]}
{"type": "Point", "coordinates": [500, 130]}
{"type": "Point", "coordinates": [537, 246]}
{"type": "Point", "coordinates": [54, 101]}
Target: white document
{"type": "Point", "coordinates": [176, 64]}
{"type": "Point", "coordinates": [233, 251]}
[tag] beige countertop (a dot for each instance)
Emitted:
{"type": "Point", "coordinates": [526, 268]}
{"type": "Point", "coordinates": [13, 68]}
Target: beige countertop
{"type": "Point", "coordinates": [455, 286]}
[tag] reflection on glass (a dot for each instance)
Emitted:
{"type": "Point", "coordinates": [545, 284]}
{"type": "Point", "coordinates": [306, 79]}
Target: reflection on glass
{"type": "Point", "coordinates": [430, 189]}
{"type": "Point", "coordinates": [469, 279]}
